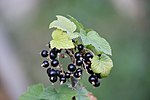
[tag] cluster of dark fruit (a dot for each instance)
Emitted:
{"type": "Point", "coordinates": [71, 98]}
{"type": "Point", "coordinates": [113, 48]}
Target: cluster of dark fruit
{"type": "Point", "coordinates": [81, 60]}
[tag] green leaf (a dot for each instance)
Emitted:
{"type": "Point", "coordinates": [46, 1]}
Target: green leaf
{"type": "Point", "coordinates": [102, 65]}
{"type": "Point", "coordinates": [93, 38]}
{"type": "Point", "coordinates": [59, 93]}
{"type": "Point", "coordinates": [79, 25]}
{"type": "Point", "coordinates": [64, 24]}
{"type": "Point", "coordinates": [33, 93]}
{"type": "Point", "coordinates": [38, 92]}
{"type": "Point", "coordinates": [82, 94]}
{"type": "Point", "coordinates": [61, 40]}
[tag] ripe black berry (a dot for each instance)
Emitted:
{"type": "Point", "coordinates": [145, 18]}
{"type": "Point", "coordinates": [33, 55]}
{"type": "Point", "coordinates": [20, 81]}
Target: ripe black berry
{"type": "Point", "coordinates": [67, 74]}
{"type": "Point", "coordinates": [80, 47]}
{"type": "Point", "coordinates": [44, 53]}
{"type": "Point", "coordinates": [96, 84]}
{"type": "Point", "coordinates": [71, 67]}
{"type": "Point", "coordinates": [54, 62]}
{"type": "Point", "coordinates": [53, 79]}
{"type": "Point", "coordinates": [52, 55]}
{"type": "Point", "coordinates": [45, 64]}
{"type": "Point", "coordinates": [52, 73]}
{"type": "Point", "coordinates": [79, 71]}
{"type": "Point", "coordinates": [76, 75]}
{"type": "Point", "coordinates": [62, 79]}
{"type": "Point", "coordinates": [79, 62]}
{"type": "Point", "coordinates": [93, 79]}
{"type": "Point", "coordinates": [55, 50]}
{"type": "Point", "coordinates": [88, 55]}
{"type": "Point", "coordinates": [77, 55]}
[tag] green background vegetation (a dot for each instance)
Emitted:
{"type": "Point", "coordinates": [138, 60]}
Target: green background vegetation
{"type": "Point", "coordinates": [128, 37]}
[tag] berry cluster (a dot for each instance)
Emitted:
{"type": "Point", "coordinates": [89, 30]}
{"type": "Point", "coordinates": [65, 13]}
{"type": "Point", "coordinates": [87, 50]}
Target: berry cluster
{"type": "Point", "coordinates": [81, 60]}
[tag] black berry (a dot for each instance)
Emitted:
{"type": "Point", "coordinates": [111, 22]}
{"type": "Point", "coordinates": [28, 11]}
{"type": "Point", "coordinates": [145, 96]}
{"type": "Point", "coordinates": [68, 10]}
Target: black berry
{"type": "Point", "coordinates": [71, 67]}
{"type": "Point", "coordinates": [52, 73]}
{"type": "Point", "coordinates": [76, 75]}
{"type": "Point", "coordinates": [62, 79]}
{"type": "Point", "coordinates": [55, 63]}
{"type": "Point", "coordinates": [93, 79]}
{"type": "Point", "coordinates": [77, 55]}
{"type": "Point", "coordinates": [96, 84]}
{"type": "Point", "coordinates": [88, 55]}
{"type": "Point", "coordinates": [80, 47]}
{"type": "Point", "coordinates": [45, 64]}
{"type": "Point", "coordinates": [79, 71]}
{"type": "Point", "coordinates": [44, 53]}
{"type": "Point", "coordinates": [79, 62]}
{"type": "Point", "coordinates": [52, 55]}
{"type": "Point", "coordinates": [67, 74]}
{"type": "Point", "coordinates": [53, 79]}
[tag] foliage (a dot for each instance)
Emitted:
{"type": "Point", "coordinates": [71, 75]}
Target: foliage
{"type": "Point", "coordinates": [65, 31]}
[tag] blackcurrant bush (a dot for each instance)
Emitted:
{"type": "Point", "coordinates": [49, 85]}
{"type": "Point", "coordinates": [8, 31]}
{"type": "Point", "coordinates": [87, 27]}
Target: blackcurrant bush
{"type": "Point", "coordinates": [76, 75]}
{"type": "Point", "coordinates": [93, 79]}
{"type": "Point", "coordinates": [45, 64]}
{"type": "Point", "coordinates": [53, 79]}
{"type": "Point", "coordinates": [55, 63]}
{"type": "Point", "coordinates": [96, 84]}
{"type": "Point", "coordinates": [71, 67]}
{"type": "Point", "coordinates": [52, 55]}
{"type": "Point", "coordinates": [44, 53]}
{"type": "Point", "coordinates": [52, 73]}
{"type": "Point", "coordinates": [62, 79]}
{"type": "Point", "coordinates": [88, 55]}
{"type": "Point", "coordinates": [79, 62]}
{"type": "Point", "coordinates": [80, 47]}
{"type": "Point", "coordinates": [67, 74]}
{"type": "Point", "coordinates": [77, 55]}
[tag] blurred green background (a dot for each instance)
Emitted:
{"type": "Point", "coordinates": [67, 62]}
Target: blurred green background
{"type": "Point", "coordinates": [124, 23]}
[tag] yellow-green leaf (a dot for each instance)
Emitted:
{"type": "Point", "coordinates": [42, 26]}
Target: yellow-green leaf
{"type": "Point", "coordinates": [64, 24]}
{"type": "Point", "coordinates": [61, 40]}
{"type": "Point", "coordinates": [102, 65]}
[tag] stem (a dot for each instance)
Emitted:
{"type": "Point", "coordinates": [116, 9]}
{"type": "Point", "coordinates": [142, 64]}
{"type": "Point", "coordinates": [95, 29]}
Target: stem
{"type": "Point", "coordinates": [74, 81]}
